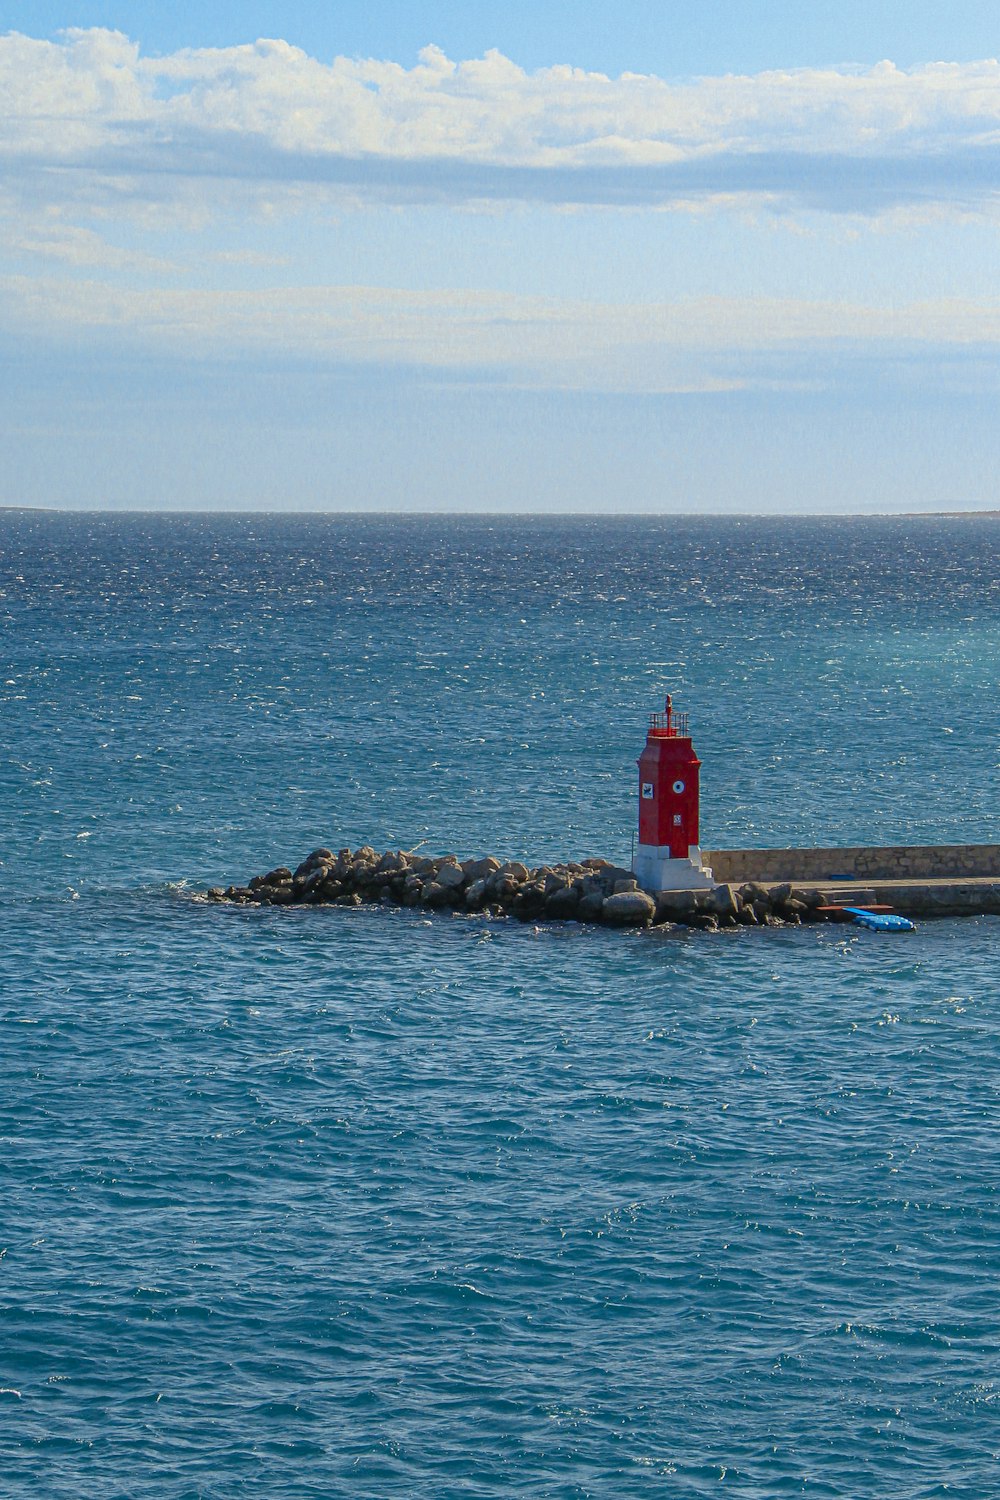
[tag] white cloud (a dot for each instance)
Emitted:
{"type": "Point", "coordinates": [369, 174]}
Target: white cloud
{"type": "Point", "coordinates": [863, 140]}
{"type": "Point", "coordinates": [694, 344]}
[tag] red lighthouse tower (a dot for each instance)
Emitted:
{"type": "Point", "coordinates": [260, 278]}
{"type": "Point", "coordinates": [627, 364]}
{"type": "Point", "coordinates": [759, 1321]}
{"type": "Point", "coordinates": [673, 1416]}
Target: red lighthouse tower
{"type": "Point", "coordinates": [668, 856]}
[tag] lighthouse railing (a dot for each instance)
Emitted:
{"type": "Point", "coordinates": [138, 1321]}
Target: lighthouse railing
{"type": "Point", "coordinates": [673, 723]}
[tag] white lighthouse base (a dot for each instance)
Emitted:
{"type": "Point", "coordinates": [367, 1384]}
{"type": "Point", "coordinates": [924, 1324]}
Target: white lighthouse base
{"type": "Point", "coordinates": [655, 870]}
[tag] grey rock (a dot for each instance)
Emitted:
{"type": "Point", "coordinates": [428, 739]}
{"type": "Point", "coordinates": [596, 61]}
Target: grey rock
{"type": "Point", "coordinates": [677, 906]}
{"type": "Point", "coordinates": [451, 876]}
{"type": "Point", "coordinates": [279, 895]}
{"type": "Point", "coordinates": [504, 887]}
{"type": "Point", "coordinates": [390, 862]}
{"type": "Point", "coordinates": [753, 892]}
{"type": "Point", "coordinates": [480, 869]}
{"type": "Point", "coordinates": [723, 901]}
{"type": "Point", "coordinates": [311, 861]}
{"type": "Point", "coordinates": [590, 907]}
{"type": "Point", "coordinates": [628, 909]}
{"type": "Point", "coordinates": [626, 884]}
{"type": "Point", "coordinates": [563, 904]}
{"type": "Point", "coordinates": [530, 901]}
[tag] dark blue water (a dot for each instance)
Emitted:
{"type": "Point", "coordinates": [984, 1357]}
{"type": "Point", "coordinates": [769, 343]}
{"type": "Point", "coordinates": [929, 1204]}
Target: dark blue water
{"type": "Point", "coordinates": [360, 1203]}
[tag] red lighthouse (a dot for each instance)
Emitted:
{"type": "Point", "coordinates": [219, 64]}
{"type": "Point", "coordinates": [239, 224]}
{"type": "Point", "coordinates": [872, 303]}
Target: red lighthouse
{"type": "Point", "coordinates": [668, 856]}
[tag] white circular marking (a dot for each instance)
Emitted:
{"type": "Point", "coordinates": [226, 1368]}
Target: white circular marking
{"type": "Point", "coordinates": [678, 787]}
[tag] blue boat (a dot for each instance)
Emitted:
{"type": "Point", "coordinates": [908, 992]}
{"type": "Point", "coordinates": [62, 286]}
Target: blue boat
{"type": "Point", "coordinates": [878, 921]}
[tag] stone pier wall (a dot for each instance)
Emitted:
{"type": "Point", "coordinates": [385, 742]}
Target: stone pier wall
{"type": "Point", "coordinates": [899, 862]}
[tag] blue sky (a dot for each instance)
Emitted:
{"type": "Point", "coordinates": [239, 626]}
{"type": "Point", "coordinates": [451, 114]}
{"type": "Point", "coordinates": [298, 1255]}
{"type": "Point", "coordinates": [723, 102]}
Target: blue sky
{"type": "Point", "coordinates": [732, 256]}
{"type": "Point", "coordinates": [668, 37]}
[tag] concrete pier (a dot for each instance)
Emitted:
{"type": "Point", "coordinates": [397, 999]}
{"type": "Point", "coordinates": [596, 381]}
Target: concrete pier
{"type": "Point", "coordinates": [918, 880]}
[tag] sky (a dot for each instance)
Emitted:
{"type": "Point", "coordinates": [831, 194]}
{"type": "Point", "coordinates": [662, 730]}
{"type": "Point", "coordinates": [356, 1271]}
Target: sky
{"type": "Point", "coordinates": [732, 256]}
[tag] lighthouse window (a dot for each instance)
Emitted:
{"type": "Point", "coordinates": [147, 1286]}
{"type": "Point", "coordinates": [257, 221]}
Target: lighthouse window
{"type": "Point", "coordinates": [647, 790]}
{"type": "Point", "coordinates": [678, 787]}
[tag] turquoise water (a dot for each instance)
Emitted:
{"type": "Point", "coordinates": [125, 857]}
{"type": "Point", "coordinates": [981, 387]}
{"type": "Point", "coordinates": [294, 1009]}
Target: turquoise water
{"type": "Point", "coordinates": [359, 1203]}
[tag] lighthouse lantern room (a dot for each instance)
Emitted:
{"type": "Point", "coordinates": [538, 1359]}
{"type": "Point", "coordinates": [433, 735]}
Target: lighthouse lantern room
{"type": "Point", "coordinates": [668, 856]}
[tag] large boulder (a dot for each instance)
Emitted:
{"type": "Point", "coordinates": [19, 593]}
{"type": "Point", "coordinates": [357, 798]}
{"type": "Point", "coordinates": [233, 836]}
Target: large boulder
{"type": "Point", "coordinates": [628, 909]}
{"type": "Point", "coordinates": [279, 895]}
{"type": "Point", "coordinates": [391, 862]}
{"type": "Point", "coordinates": [480, 869]}
{"type": "Point", "coordinates": [451, 876]}
{"type": "Point", "coordinates": [722, 901]}
{"type": "Point", "coordinates": [752, 892]}
{"type": "Point", "coordinates": [677, 906]}
{"type": "Point", "coordinates": [563, 903]}
{"type": "Point", "coordinates": [810, 898]}
{"type": "Point", "coordinates": [503, 887]}
{"type": "Point", "coordinates": [530, 902]}
{"type": "Point", "coordinates": [313, 860]}
{"type": "Point", "coordinates": [436, 895]}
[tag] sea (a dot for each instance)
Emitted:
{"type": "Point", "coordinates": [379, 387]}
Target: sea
{"type": "Point", "coordinates": [328, 1202]}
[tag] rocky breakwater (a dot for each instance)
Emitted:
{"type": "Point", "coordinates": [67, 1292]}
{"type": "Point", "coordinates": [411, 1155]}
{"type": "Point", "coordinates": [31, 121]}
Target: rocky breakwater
{"type": "Point", "coordinates": [593, 890]}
